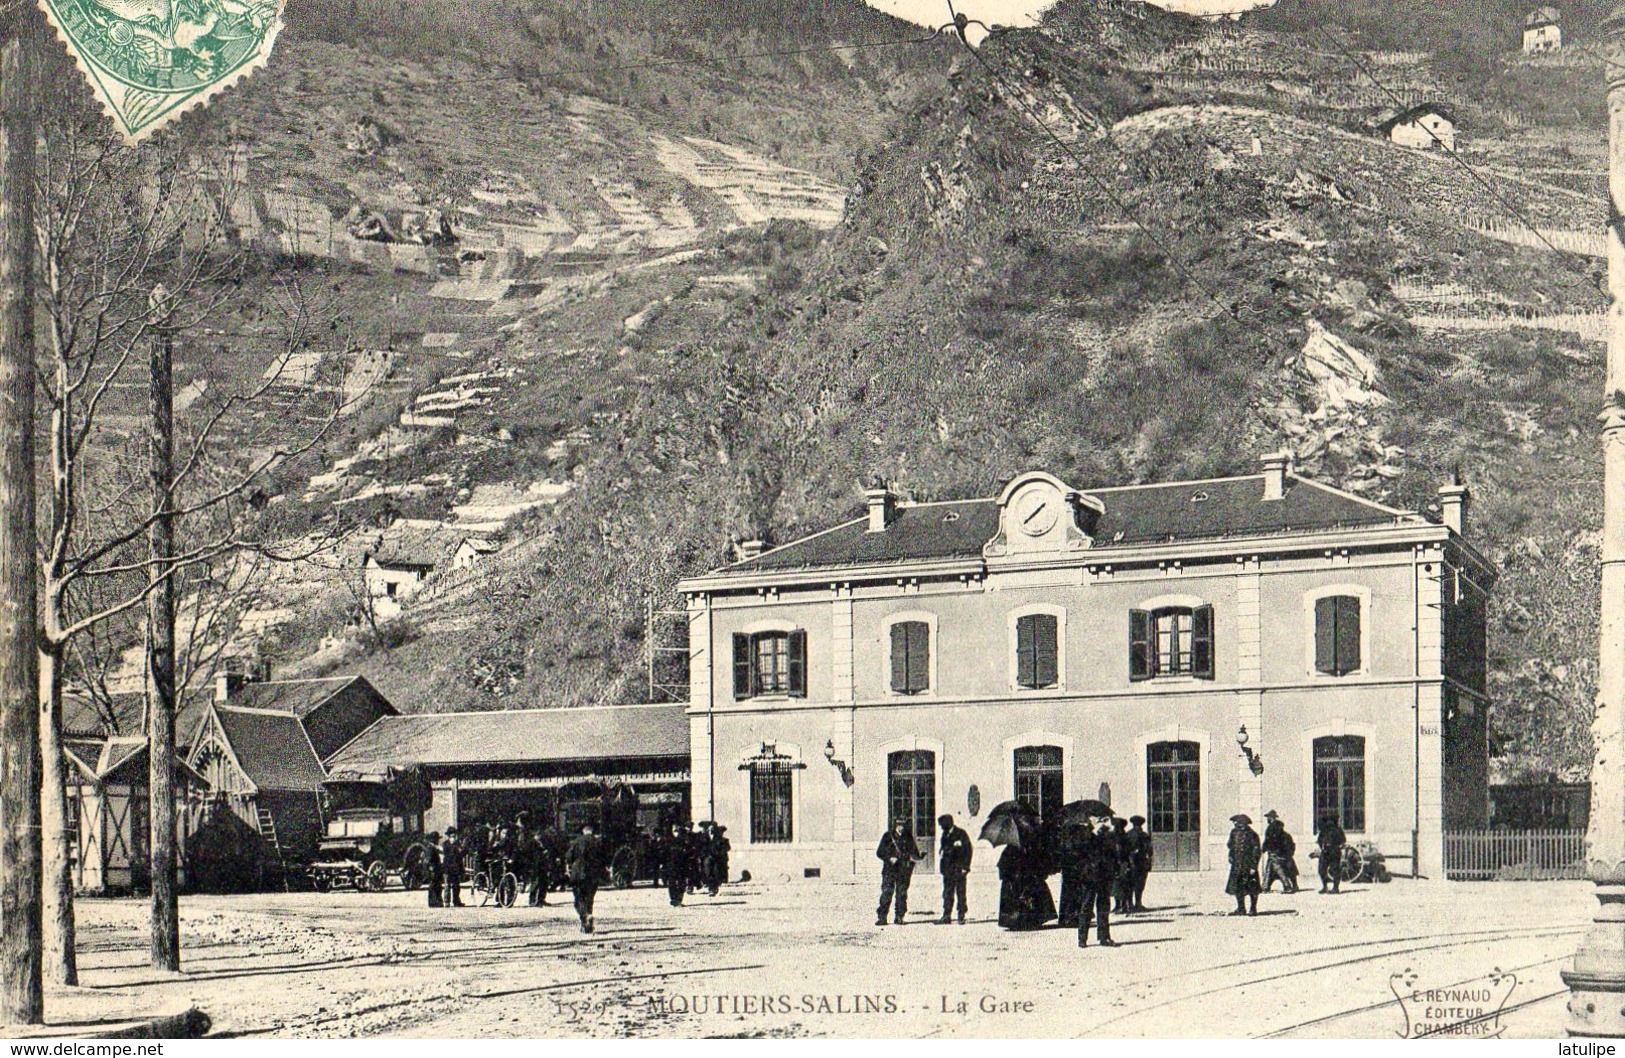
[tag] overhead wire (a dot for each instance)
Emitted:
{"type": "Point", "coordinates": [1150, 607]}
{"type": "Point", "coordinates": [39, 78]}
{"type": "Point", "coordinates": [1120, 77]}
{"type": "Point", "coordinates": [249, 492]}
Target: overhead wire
{"type": "Point", "coordinates": [1012, 93]}
{"type": "Point", "coordinates": [1506, 204]}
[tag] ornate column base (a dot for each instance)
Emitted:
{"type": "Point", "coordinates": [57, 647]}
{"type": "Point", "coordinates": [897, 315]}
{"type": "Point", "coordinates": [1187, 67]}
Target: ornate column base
{"type": "Point", "coordinates": [1597, 979]}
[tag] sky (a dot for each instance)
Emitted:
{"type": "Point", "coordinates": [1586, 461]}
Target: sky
{"type": "Point", "coordinates": [1022, 12]}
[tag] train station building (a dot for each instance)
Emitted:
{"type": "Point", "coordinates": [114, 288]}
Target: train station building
{"type": "Point", "coordinates": [1186, 651]}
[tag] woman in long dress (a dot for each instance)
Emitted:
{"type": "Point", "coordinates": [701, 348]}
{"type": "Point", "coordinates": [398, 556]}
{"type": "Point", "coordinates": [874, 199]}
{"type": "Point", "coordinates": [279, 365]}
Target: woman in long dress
{"type": "Point", "coordinates": [1024, 897]}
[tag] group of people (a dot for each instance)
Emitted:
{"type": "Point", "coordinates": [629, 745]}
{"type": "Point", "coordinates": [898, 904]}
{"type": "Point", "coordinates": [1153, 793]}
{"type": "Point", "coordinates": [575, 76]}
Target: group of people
{"type": "Point", "coordinates": [683, 858]}
{"type": "Point", "coordinates": [1103, 864]}
{"type": "Point", "coordinates": [689, 858]}
{"type": "Point", "coordinates": [1276, 852]}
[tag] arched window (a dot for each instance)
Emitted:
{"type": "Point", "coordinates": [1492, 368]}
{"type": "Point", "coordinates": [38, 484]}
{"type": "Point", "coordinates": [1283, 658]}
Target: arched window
{"type": "Point", "coordinates": [1040, 779]}
{"type": "Point", "coordinates": [1339, 780]}
{"type": "Point", "coordinates": [912, 782]}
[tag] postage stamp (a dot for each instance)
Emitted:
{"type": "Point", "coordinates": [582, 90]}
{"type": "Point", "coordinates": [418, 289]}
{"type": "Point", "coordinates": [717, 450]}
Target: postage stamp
{"type": "Point", "coordinates": [149, 61]}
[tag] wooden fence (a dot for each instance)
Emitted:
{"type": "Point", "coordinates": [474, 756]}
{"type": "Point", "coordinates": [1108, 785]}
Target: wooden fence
{"type": "Point", "coordinates": [1513, 855]}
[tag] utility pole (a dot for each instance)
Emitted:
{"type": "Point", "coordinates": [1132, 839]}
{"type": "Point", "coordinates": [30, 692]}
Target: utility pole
{"type": "Point", "coordinates": [1597, 979]}
{"type": "Point", "coordinates": [166, 938]}
{"type": "Point", "coordinates": [21, 867]}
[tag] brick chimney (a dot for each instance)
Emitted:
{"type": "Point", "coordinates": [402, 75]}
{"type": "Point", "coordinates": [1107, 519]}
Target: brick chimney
{"type": "Point", "coordinates": [1454, 500]}
{"type": "Point", "coordinates": [1277, 465]}
{"type": "Point", "coordinates": [882, 506]}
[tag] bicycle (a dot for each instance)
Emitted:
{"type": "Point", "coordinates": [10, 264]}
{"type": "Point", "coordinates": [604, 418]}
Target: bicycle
{"type": "Point", "coordinates": [503, 891]}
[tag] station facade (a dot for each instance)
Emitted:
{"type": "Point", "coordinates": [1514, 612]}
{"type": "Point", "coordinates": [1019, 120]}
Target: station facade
{"type": "Point", "coordinates": [1186, 651]}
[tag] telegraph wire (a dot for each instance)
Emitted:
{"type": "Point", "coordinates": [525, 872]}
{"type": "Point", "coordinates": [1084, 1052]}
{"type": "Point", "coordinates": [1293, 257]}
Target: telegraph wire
{"type": "Point", "coordinates": [960, 23]}
{"type": "Point", "coordinates": [1506, 203]}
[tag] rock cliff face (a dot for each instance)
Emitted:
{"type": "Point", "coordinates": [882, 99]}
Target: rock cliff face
{"type": "Point", "coordinates": [703, 303]}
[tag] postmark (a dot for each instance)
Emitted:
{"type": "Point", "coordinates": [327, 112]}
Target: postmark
{"type": "Point", "coordinates": [149, 61]}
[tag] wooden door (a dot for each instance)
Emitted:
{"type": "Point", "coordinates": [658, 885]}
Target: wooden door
{"type": "Point", "coordinates": [1174, 797]}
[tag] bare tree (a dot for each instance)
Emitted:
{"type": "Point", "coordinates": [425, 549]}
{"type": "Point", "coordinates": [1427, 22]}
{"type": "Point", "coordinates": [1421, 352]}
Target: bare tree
{"type": "Point", "coordinates": [137, 248]}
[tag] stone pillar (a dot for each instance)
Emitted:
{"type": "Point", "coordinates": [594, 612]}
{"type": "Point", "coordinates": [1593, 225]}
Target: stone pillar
{"type": "Point", "coordinates": [1597, 979]}
{"type": "Point", "coordinates": [701, 797]}
{"type": "Point", "coordinates": [842, 693]}
{"type": "Point", "coordinates": [1250, 675]}
{"type": "Point", "coordinates": [1429, 748]}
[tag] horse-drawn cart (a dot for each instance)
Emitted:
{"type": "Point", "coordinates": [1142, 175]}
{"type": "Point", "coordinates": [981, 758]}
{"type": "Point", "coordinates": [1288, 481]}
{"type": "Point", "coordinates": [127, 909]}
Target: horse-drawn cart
{"type": "Point", "coordinates": [374, 831]}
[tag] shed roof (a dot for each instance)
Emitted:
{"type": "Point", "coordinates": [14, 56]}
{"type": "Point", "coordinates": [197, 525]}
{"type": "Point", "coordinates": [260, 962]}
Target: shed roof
{"type": "Point", "coordinates": [299, 697]}
{"type": "Point", "coordinates": [1134, 515]}
{"type": "Point", "coordinates": [272, 747]}
{"type": "Point", "coordinates": [519, 736]}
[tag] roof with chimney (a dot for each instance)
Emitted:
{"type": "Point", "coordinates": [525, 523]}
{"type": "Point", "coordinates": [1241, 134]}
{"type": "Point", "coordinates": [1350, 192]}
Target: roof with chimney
{"type": "Point", "coordinates": [519, 736]}
{"type": "Point", "coordinates": [299, 697]}
{"type": "Point", "coordinates": [1544, 15]}
{"type": "Point", "coordinates": [1133, 515]}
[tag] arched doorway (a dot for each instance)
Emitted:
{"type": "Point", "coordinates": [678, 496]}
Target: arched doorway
{"type": "Point", "coordinates": [912, 789]}
{"type": "Point", "coordinates": [1173, 783]}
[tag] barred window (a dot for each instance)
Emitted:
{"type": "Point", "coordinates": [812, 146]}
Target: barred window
{"type": "Point", "coordinates": [771, 794]}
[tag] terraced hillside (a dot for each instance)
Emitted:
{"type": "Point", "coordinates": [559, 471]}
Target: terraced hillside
{"type": "Point", "coordinates": [1140, 248]}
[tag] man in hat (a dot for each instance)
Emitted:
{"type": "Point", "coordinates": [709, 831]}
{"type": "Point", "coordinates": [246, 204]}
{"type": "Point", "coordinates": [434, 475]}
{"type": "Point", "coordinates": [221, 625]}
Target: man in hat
{"type": "Point", "coordinates": [1100, 864]}
{"type": "Point", "coordinates": [675, 868]}
{"type": "Point", "coordinates": [897, 853]}
{"type": "Point", "coordinates": [1279, 849]}
{"type": "Point", "coordinates": [451, 866]}
{"type": "Point", "coordinates": [582, 865]}
{"type": "Point", "coordinates": [434, 873]}
{"type": "Point", "coordinates": [1140, 856]}
{"type": "Point", "coordinates": [1123, 887]}
{"type": "Point", "coordinates": [1331, 839]}
{"type": "Point", "coordinates": [955, 866]}
{"type": "Point", "coordinates": [1244, 850]}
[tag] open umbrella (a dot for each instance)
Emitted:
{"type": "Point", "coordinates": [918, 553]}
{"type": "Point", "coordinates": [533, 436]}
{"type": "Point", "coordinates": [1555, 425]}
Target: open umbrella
{"type": "Point", "coordinates": [1011, 823]}
{"type": "Point", "coordinates": [1079, 813]}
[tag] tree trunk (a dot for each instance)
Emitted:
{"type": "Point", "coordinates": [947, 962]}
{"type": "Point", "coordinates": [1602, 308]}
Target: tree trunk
{"type": "Point", "coordinates": [61, 941]}
{"type": "Point", "coordinates": [166, 940]}
{"type": "Point", "coordinates": [20, 853]}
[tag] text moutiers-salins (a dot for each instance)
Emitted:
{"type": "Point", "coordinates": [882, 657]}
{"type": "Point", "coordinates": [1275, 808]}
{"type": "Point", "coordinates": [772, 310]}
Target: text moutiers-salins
{"type": "Point", "coordinates": [783, 1003]}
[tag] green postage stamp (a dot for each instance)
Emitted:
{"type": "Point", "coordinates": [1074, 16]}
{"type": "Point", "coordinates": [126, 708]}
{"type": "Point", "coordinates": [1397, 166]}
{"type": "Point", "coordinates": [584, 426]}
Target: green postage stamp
{"type": "Point", "coordinates": [149, 61]}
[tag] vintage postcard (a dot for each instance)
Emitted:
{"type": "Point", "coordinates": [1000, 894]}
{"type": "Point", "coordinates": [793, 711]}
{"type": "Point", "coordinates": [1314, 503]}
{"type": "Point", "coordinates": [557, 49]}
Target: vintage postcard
{"type": "Point", "coordinates": [812, 518]}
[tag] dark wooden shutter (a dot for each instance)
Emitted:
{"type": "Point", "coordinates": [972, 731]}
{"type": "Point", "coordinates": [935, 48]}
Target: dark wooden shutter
{"type": "Point", "coordinates": [1141, 657]}
{"type": "Point", "coordinates": [798, 663]}
{"type": "Point", "coordinates": [1348, 634]}
{"type": "Point", "coordinates": [1326, 635]}
{"type": "Point", "coordinates": [899, 657]}
{"type": "Point", "coordinates": [1025, 674]}
{"type": "Point", "coordinates": [742, 666]}
{"type": "Point", "coordinates": [1202, 642]}
{"type": "Point", "coordinates": [918, 639]}
{"type": "Point", "coordinates": [1045, 650]}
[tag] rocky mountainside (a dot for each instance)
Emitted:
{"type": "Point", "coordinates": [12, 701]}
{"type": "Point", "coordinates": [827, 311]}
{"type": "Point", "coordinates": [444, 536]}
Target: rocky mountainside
{"type": "Point", "coordinates": [1130, 247]}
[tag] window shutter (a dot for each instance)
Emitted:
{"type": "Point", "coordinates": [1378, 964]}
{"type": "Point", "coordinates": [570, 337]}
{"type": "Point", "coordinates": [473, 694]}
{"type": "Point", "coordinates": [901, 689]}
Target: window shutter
{"type": "Point", "coordinates": [919, 656]}
{"type": "Point", "coordinates": [1202, 642]}
{"type": "Point", "coordinates": [798, 663]}
{"type": "Point", "coordinates": [899, 657]}
{"type": "Point", "coordinates": [1045, 665]}
{"type": "Point", "coordinates": [1348, 634]}
{"type": "Point", "coordinates": [1024, 652]}
{"type": "Point", "coordinates": [1326, 635]}
{"type": "Point", "coordinates": [742, 661]}
{"type": "Point", "coordinates": [1140, 666]}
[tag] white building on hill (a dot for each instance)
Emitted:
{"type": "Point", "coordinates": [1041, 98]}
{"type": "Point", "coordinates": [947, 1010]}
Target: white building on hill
{"type": "Point", "coordinates": [1424, 127]}
{"type": "Point", "coordinates": [1543, 30]}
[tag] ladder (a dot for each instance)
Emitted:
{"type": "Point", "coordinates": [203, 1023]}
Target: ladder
{"type": "Point", "coordinates": [267, 827]}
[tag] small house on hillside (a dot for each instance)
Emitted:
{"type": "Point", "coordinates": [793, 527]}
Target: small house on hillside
{"type": "Point", "coordinates": [259, 749]}
{"type": "Point", "coordinates": [1543, 30]}
{"type": "Point", "coordinates": [407, 552]}
{"type": "Point", "coordinates": [1426, 127]}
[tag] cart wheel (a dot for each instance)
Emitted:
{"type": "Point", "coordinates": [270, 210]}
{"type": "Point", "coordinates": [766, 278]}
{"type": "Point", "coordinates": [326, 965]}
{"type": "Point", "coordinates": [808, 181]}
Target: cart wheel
{"type": "Point", "coordinates": [507, 890]}
{"type": "Point", "coordinates": [1353, 863]}
{"type": "Point", "coordinates": [622, 869]}
{"type": "Point", "coordinates": [377, 874]}
{"type": "Point", "coordinates": [412, 872]}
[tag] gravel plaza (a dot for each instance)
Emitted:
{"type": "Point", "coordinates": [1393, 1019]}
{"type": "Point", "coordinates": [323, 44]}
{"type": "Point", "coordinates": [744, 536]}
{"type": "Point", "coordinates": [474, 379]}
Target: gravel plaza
{"type": "Point", "coordinates": [774, 958]}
